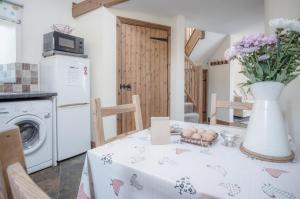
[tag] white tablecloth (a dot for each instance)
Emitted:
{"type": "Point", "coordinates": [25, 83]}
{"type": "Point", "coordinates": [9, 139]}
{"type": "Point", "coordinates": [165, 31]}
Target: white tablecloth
{"type": "Point", "coordinates": [132, 168]}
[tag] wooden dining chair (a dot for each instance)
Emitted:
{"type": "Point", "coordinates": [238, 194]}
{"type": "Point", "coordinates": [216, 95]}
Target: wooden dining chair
{"type": "Point", "coordinates": [14, 181]}
{"type": "Point", "coordinates": [215, 104]}
{"type": "Point", "coordinates": [100, 112]}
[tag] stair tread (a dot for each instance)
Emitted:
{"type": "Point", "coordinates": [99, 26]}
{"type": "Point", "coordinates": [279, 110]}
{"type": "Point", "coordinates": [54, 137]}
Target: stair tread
{"type": "Point", "coordinates": [188, 107]}
{"type": "Point", "coordinates": [191, 114]}
{"type": "Point", "coordinates": [191, 117]}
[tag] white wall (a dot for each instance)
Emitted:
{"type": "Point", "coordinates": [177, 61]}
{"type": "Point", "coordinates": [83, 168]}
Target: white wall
{"type": "Point", "coordinates": [290, 98]}
{"type": "Point", "coordinates": [236, 77]}
{"type": "Point", "coordinates": [206, 47]}
{"type": "Point", "coordinates": [177, 68]}
{"type": "Point", "coordinates": [99, 30]}
{"type": "Point", "coordinates": [219, 81]}
{"type": "Point", "coordinates": [38, 16]}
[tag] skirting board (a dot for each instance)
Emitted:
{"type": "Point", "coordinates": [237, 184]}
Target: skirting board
{"type": "Point", "coordinates": [221, 122]}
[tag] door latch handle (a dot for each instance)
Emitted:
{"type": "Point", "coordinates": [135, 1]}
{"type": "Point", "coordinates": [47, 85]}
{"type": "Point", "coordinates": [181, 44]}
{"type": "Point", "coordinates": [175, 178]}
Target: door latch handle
{"type": "Point", "coordinates": [126, 87]}
{"type": "Point", "coordinates": [122, 87]}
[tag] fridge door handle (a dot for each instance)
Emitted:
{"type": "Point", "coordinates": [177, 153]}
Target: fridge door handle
{"type": "Point", "coordinates": [72, 105]}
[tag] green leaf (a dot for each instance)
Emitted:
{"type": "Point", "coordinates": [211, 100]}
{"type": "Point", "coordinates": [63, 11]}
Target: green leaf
{"type": "Point", "coordinates": [259, 71]}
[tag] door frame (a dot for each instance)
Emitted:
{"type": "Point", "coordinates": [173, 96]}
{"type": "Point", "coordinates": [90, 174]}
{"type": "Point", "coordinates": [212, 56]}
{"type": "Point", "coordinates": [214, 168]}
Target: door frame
{"type": "Point", "coordinates": [124, 20]}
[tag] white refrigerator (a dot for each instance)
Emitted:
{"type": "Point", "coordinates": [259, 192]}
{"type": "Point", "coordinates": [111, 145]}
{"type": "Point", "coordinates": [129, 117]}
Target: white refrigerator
{"type": "Point", "coordinates": [69, 77]}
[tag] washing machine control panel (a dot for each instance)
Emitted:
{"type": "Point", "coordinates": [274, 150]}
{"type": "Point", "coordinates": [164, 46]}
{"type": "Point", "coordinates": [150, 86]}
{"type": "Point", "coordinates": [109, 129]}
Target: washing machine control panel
{"type": "Point", "coordinates": [3, 110]}
{"type": "Point", "coordinates": [6, 110]}
{"type": "Point", "coordinates": [15, 108]}
{"type": "Point", "coordinates": [10, 110]}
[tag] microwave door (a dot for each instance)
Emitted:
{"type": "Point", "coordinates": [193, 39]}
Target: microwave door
{"type": "Point", "coordinates": [56, 41]}
{"type": "Point", "coordinates": [64, 42]}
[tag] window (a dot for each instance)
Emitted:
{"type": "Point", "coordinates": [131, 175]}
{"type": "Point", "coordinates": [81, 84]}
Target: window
{"type": "Point", "coordinates": [10, 21]}
{"type": "Point", "coordinates": [8, 46]}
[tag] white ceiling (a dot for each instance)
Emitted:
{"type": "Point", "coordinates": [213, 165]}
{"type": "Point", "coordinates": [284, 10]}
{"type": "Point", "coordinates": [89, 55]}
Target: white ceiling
{"type": "Point", "coordinates": [224, 16]}
{"type": "Point", "coordinates": [206, 47]}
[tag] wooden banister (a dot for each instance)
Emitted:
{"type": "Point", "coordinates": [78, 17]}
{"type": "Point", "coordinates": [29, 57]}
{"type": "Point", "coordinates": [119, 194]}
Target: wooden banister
{"type": "Point", "coordinates": [193, 40]}
{"type": "Point", "coordinates": [194, 73]}
{"type": "Point", "coordinates": [188, 33]}
{"type": "Point", "coordinates": [193, 86]}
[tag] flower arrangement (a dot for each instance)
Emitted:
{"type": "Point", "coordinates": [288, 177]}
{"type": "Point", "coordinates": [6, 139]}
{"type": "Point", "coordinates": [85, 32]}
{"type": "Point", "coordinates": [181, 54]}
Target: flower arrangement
{"type": "Point", "coordinates": [270, 58]}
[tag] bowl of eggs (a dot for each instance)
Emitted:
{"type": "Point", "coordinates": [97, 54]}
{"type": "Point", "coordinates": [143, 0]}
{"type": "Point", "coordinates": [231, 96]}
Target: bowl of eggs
{"type": "Point", "coordinates": [202, 137]}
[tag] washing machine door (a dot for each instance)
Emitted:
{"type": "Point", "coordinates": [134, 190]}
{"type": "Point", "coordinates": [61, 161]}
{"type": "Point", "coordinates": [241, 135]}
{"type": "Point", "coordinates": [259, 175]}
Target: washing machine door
{"type": "Point", "coordinates": [33, 132]}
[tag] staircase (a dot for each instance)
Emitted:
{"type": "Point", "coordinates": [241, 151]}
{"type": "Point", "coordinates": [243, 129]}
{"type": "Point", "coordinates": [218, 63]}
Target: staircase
{"type": "Point", "coordinates": [189, 114]}
{"type": "Point", "coordinates": [193, 80]}
{"type": "Point", "coordinates": [193, 92]}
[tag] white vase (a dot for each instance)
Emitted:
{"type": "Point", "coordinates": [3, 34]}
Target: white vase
{"type": "Point", "coordinates": [266, 134]}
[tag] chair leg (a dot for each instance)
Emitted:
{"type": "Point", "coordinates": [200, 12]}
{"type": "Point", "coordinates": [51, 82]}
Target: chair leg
{"type": "Point", "coordinates": [98, 123]}
{"type": "Point", "coordinates": [213, 109]}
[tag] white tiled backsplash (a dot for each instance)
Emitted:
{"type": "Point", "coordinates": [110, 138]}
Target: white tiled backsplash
{"type": "Point", "coordinates": [18, 77]}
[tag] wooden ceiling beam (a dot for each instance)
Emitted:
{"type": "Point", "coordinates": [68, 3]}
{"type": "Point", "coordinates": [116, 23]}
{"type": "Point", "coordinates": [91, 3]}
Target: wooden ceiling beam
{"type": "Point", "coordinates": [89, 5]}
{"type": "Point", "coordinates": [110, 3]}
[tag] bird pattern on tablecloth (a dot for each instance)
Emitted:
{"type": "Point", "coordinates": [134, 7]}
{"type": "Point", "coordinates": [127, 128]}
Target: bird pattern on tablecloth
{"type": "Point", "coordinates": [116, 184]}
{"type": "Point", "coordinates": [272, 192]}
{"type": "Point", "coordinates": [81, 192]}
{"type": "Point", "coordinates": [183, 185]}
{"type": "Point", "coordinates": [275, 173]}
{"type": "Point", "coordinates": [135, 183]}
{"type": "Point", "coordinates": [107, 158]}
{"type": "Point", "coordinates": [232, 189]}
{"type": "Point", "coordinates": [181, 151]}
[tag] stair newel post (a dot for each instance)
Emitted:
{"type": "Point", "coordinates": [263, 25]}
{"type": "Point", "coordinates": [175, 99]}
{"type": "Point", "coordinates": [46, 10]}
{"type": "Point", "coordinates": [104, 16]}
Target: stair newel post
{"type": "Point", "coordinates": [200, 94]}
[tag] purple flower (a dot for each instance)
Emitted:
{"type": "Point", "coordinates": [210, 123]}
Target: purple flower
{"type": "Point", "coordinates": [270, 40]}
{"type": "Point", "coordinates": [250, 44]}
{"type": "Point", "coordinates": [230, 53]}
{"type": "Point", "coordinates": [263, 57]}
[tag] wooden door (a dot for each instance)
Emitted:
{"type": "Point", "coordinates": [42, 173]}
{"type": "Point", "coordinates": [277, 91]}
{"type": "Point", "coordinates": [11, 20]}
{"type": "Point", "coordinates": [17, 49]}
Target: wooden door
{"type": "Point", "coordinates": [143, 70]}
{"type": "Point", "coordinates": [205, 91]}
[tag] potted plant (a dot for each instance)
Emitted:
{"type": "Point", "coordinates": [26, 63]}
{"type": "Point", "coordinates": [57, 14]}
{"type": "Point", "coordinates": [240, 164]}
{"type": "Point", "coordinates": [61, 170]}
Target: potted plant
{"type": "Point", "coordinates": [269, 63]}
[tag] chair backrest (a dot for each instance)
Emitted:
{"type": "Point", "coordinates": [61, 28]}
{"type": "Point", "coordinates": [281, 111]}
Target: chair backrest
{"type": "Point", "coordinates": [14, 181]}
{"type": "Point", "coordinates": [100, 112]}
{"type": "Point", "coordinates": [225, 104]}
{"type": "Point", "coordinates": [22, 186]}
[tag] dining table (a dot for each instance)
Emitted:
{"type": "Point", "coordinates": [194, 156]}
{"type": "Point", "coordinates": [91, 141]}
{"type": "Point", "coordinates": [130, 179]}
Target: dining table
{"type": "Point", "coordinates": [133, 168]}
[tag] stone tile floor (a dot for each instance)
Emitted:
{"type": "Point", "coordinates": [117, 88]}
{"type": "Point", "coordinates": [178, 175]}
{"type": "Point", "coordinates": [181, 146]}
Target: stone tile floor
{"type": "Point", "coordinates": [62, 181]}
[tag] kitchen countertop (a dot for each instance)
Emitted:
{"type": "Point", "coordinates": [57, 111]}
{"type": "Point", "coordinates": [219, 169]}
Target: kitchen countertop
{"type": "Point", "coordinates": [25, 95]}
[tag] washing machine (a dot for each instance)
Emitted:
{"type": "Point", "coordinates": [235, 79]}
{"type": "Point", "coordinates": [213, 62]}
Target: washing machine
{"type": "Point", "coordinates": [35, 120]}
